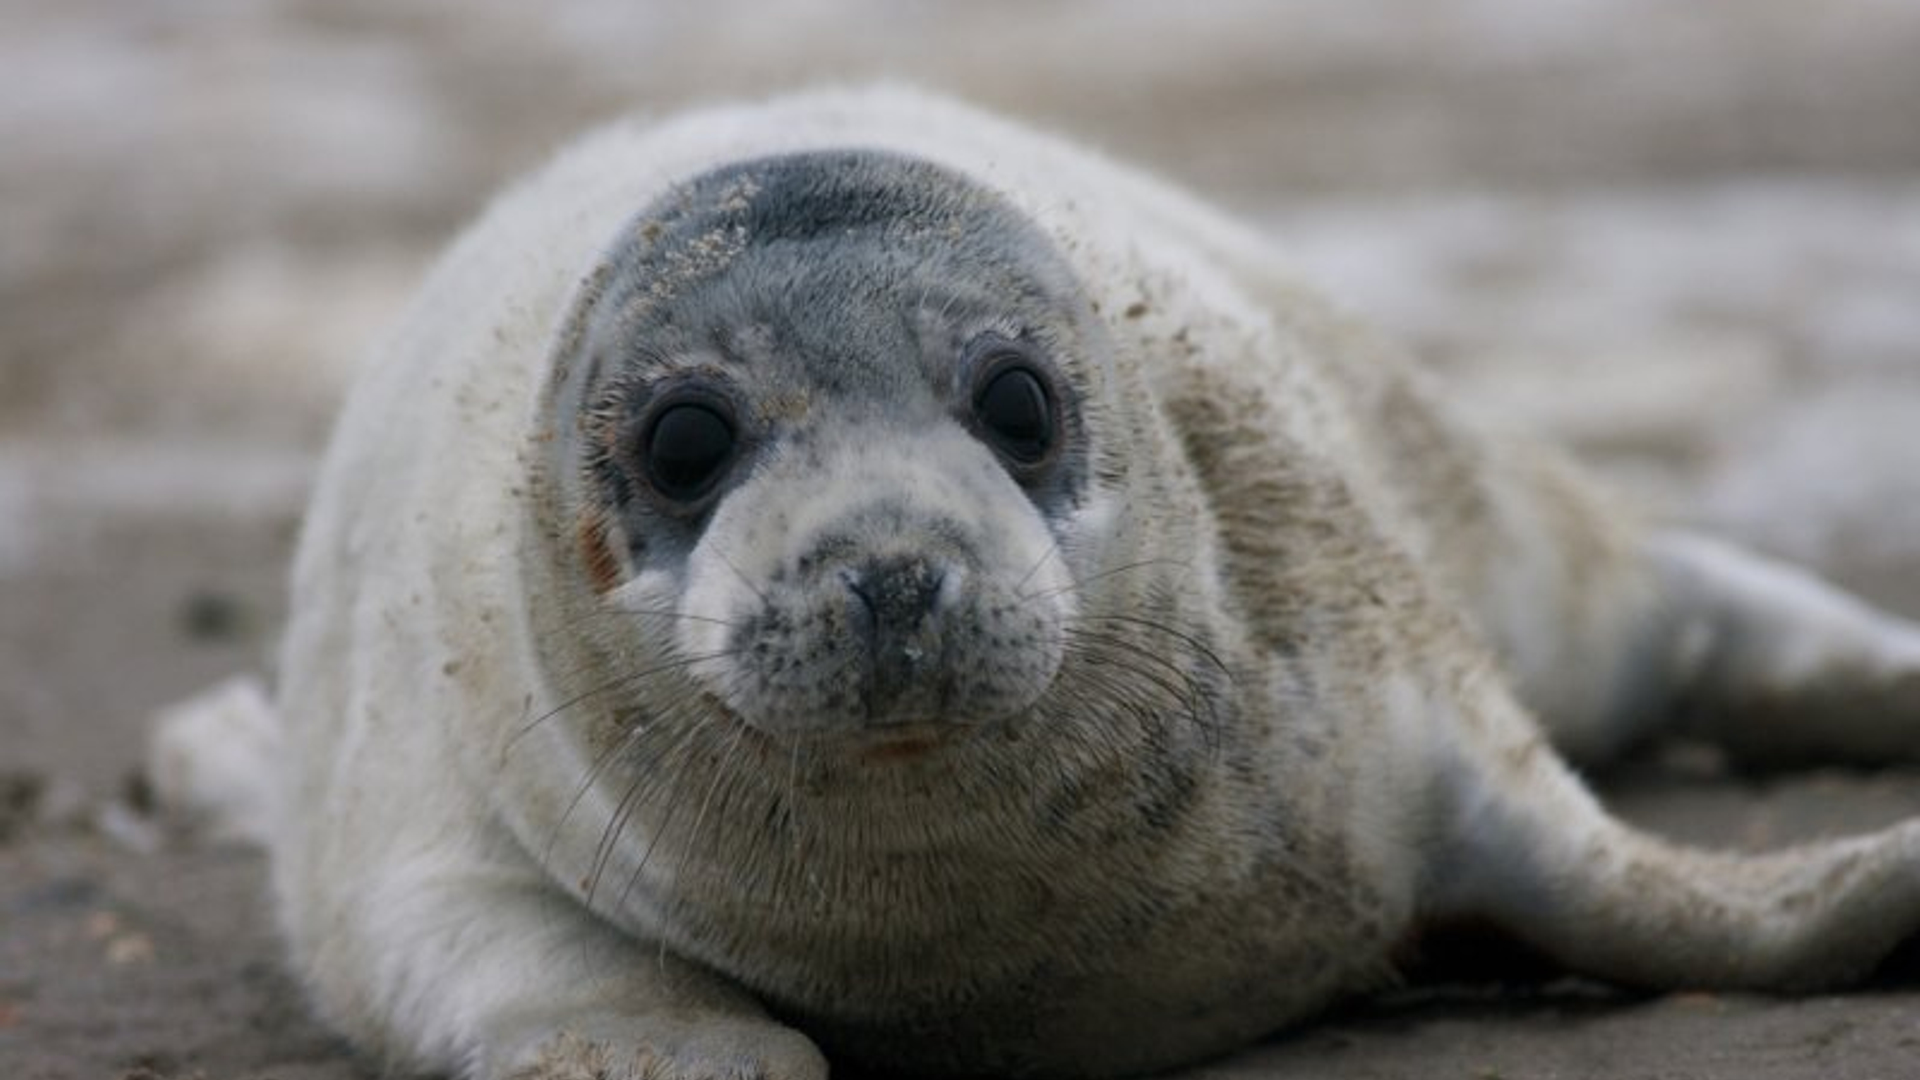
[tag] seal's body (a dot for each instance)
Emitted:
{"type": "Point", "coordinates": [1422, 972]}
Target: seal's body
{"type": "Point", "coordinates": [853, 573]}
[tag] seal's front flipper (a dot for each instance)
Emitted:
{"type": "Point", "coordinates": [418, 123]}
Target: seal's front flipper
{"type": "Point", "coordinates": [214, 760]}
{"type": "Point", "coordinates": [1524, 846]}
{"type": "Point", "coordinates": [461, 958]}
{"type": "Point", "coordinates": [611, 1008]}
{"type": "Point", "coordinates": [1778, 666]}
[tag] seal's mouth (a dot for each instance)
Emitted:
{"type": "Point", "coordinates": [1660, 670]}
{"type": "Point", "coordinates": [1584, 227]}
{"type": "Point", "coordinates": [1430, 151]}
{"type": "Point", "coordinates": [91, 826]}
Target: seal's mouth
{"type": "Point", "coordinates": [880, 744]}
{"type": "Point", "coordinates": [899, 743]}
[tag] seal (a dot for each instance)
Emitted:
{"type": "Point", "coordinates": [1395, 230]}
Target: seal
{"type": "Point", "coordinates": [852, 577]}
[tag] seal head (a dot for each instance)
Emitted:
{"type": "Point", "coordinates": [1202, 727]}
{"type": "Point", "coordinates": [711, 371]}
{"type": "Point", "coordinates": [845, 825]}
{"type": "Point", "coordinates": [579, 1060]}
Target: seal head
{"type": "Point", "coordinates": [851, 649]}
{"type": "Point", "coordinates": [822, 428]}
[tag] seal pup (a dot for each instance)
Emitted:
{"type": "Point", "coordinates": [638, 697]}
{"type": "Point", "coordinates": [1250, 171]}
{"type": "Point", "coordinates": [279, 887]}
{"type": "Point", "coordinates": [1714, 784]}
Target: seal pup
{"type": "Point", "coordinates": [851, 574]}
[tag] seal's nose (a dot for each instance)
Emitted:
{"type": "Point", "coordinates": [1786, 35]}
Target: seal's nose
{"type": "Point", "coordinates": [896, 606]}
{"type": "Point", "coordinates": [895, 593]}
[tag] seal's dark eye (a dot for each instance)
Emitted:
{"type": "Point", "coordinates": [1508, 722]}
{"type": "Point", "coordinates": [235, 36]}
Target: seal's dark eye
{"type": "Point", "coordinates": [688, 447]}
{"type": "Point", "coordinates": [1015, 414]}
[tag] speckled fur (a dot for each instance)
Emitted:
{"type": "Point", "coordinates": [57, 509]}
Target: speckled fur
{"type": "Point", "coordinates": [526, 830]}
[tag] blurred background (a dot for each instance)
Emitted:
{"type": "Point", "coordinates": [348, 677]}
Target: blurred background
{"type": "Point", "coordinates": [1683, 238]}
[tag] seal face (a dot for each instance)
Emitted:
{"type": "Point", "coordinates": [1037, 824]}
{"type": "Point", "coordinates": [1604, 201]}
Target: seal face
{"type": "Point", "coordinates": [827, 410]}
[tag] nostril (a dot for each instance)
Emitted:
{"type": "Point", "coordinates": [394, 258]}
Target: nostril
{"type": "Point", "coordinates": [897, 594]}
{"type": "Point", "coordinates": [864, 610]}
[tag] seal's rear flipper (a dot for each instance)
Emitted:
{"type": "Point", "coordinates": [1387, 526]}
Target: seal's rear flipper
{"type": "Point", "coordinates": [1778, 666]}
{"type": "Point", "coordinates": [1524, 847]}
{"type": "Point", "coordinates": [212, 759]}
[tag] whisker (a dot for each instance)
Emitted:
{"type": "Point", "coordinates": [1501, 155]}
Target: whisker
{"type": "Point", "coordinates": [631, 800]}
{"type": "Point", "coordinates": [626, 679]}
{"type": "Point", "coordinates": [1100, 698]}
{"type": "Point", "coordinates": [1052, 550]}
{"type": "Point", "coordinates": [1191, 641]}
{"type": "Point", "coordinates": [628, 744]}
{"type": "Point", "coordinates": [722, 778]}
{"type": "Point", "coordinates": [1183, 689]}
{"type": "Point", "coordinates": [682, 749]}
{"type": "Point", "coordinates": [656, 613]}
{"type": "Point", "coordinates": [1136, 650]}
{"type": "Point", "coordinates": [793, 791]}
{"type": "Point", "coordinates": [1120, 672]}
{"type": "Point", "coordinates": [744, 579]}
{"type": "Point", "coordinates": [599, 765]}
{"type": "Point", "coordinates": [666, 822]}
{"type": "Point", "coordinates": [1107, 573]}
